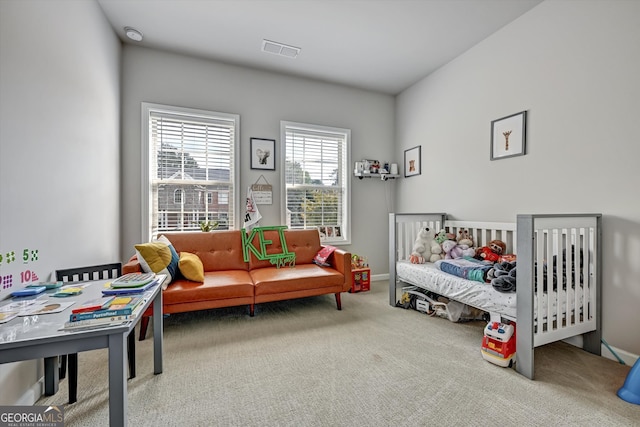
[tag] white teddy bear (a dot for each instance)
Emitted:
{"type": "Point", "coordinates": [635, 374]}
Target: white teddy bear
{"type": "Point", "coordinates": [425, 248]}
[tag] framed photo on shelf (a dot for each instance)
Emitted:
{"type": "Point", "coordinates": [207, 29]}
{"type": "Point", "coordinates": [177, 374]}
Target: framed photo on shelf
{"type": "Point", "coordinates": [412, 161]}
{"type": "Point", "coordinates": [263, 154]}
{"type": "Point", "coordinates": [509, 136]}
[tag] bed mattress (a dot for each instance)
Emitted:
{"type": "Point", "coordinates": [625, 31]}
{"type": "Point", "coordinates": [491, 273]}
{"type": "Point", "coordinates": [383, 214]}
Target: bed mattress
{"type": "Point", "coordinates": [479, 295]}
{"type": "Point", "coordinates": [476, 294]}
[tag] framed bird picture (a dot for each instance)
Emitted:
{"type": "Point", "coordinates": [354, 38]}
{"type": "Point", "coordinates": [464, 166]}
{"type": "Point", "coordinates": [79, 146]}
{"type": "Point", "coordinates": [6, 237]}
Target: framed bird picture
{"type": "Point", "coordinates": [263, 154]}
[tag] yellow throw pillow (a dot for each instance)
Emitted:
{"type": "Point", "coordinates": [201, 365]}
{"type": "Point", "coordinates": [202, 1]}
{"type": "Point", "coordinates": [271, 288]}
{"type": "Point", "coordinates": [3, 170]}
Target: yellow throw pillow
{"type": "Point", "coordinates": [158, 257]}
{"type": "Point", "coordinates": [191, 267]}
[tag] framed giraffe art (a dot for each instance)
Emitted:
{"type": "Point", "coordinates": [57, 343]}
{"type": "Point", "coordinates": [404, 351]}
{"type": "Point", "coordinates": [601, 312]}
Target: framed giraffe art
{"type": "Point", "coordinates": [509, 136]}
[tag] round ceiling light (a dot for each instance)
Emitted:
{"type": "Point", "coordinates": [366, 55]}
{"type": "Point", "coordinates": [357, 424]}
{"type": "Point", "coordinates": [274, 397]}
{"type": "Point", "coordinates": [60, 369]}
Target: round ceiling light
{"type": "Point", "coordinates": [133, 34]}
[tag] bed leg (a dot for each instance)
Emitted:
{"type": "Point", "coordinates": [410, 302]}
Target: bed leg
{"type": "Point", "coordinates": [592, 342]}
{"type": "Point", "coordinates": [524, 356]}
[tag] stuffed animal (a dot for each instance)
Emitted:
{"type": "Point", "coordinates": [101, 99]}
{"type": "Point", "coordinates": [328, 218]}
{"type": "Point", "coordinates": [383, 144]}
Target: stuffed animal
{"type": "Point", "coordinates": [443, 235]}
{"type": "Point", "coordinates": [453, 250]}
{"type": "Point", "coordinates": [492, 252]}
{"type": "Point", "coordinates": [504, 276]}
{"type": "Point", "coordinates": [464, 238]}
{"type": "Point", "coordinates": [425, 248]}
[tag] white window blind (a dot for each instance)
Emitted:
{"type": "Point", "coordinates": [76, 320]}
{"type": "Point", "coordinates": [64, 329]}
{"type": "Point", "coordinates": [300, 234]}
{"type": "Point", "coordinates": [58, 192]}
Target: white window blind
{"type": "Point", "coordinates": [191, 152]}
{"type": "Point", "coordinates": [316, 179]}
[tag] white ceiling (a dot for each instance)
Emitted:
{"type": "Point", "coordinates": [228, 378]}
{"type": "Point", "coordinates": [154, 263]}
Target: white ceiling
{"type": "Point", "coordinates": [380, 45]}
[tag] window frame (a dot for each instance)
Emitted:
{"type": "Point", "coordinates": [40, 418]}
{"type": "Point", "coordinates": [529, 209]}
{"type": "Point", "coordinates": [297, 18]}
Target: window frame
{"type": "Point", "coordinates": [178, 192]}
{"type": "Point", "coordinates": [147, 110]}
{"type": "Point", "coordinates": [345, 227]}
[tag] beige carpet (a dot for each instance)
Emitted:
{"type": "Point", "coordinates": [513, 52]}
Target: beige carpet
{"type": "Point", "coordinates": [303, 363]}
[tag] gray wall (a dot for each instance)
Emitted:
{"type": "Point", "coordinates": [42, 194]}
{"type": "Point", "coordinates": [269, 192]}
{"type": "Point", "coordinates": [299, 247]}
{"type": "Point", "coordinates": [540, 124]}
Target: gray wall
{"type": "Point", "coordinates": [262, 100]}
{"type": "Point", "coordinates": [574, 67]}
{"type": "Point", "coordinates": [59, 149]}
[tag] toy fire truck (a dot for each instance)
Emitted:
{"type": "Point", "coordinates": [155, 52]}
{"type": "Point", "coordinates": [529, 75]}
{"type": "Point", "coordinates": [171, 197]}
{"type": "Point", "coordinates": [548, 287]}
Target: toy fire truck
{"type": "Point", "coordinates": [499, 344]}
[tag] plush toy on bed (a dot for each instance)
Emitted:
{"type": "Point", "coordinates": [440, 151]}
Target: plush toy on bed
{"type": "Point", "coordinates": [453, 250]}
{"type": "Point", "coordinates": [425, 248]}
{"type": "Point", "coordinates": [443, 236]}
{"type": "Point", "coordinates": [491, 252]}
{"type": "Point", "coordinates": [464, 238]}
{"type": "Point", "coordinates": [504, 276]}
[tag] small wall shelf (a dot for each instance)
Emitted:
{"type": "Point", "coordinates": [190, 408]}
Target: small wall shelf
{"type": "Point", "coordinates": [381, 176]}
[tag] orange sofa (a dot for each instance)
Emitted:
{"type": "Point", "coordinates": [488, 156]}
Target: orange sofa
{"type": "Point", "coordinates": [230, 281]}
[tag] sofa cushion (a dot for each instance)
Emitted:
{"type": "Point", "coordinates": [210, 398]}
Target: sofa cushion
{"type": "Point", "coordinates": [272, 280]}
{"type": "Point", "coordinates": [160, 257]}
{"type": "Point", "coordinates": [217, 285]}
{"type": "Point", "coordinates": [218, 250]}
{"type": "Point", "coordinates": [191, 267]}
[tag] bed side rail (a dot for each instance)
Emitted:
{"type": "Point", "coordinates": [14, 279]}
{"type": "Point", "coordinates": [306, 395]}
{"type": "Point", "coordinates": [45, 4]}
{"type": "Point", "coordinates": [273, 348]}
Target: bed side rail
{"type": "Point", "coordinates": [403, 229]}
{"type": "Point", "coordinates": [559, 276]}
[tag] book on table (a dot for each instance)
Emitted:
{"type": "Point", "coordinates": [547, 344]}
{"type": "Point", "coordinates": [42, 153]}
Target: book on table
{"type": "Point", "coordinates": [102, 318]}
{"type": "Point", "coordinates": [92, 305]}
{"type": "Point", "coordinates": [98, 322]}
{"type": "Point", "coordinates": [123, 305]}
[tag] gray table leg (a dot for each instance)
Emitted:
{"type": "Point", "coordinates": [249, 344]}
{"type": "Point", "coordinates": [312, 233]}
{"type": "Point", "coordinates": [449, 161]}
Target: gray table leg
{"type": "Point", "coordinates": [157, 334]}
{"type": "Point", "coordinates": [117, 380]}
{"type": "Point", "coordinates": [51, 375]}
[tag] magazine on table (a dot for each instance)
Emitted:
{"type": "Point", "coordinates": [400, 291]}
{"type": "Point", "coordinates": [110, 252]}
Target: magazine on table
{"type": "Point", "coordinates": [49, 308]}
{"type": "Point", "coordinates": [6, 316]}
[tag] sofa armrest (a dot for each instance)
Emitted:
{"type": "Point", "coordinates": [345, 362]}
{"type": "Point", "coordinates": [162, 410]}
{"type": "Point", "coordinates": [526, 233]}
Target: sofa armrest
{"type": "Point", "coordinates": [132, 266]}
{"type": "Point", "coordinates": [341, 261]}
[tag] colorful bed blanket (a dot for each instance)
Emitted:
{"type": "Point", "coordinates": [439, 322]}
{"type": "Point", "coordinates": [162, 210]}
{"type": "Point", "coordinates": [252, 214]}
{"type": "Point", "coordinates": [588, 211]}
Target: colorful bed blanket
{"type": "Point", "coordinates": [467, 268]}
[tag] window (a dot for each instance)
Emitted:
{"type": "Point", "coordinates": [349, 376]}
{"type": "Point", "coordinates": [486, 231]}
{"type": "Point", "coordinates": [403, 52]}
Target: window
{"type": "Point", "coordinates": [188, 152]}
{"type": "Point", "coordinates": [223, 197]}
{"type": "Point", "coordinates": [315, 180]}
{"type": "Point", "coordinates": [177, 196]}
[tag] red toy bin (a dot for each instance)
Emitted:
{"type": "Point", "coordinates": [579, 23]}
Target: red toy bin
{"type": "Point", "coordinates": [360, 279]}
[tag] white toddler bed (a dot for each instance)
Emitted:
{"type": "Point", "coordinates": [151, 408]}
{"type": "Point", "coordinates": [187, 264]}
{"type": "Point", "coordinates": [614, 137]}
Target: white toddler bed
{"type": "Point", "coordinates": [564, 245]}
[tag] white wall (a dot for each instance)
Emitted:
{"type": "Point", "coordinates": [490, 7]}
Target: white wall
{"type": "Point", "coordinates": [574, 66]}
{"type": "Point", "coordinates": [59, 149]}
{"type": "Point", "coordinates": [262, 100]}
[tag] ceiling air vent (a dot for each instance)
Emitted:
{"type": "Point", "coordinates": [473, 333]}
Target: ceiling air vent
{"type": "Point", "coordinates": [280, 49]}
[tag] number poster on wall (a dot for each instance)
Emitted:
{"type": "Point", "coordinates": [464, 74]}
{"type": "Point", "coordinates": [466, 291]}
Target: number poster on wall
{"type": "Point", "coordinates": [16, 269]}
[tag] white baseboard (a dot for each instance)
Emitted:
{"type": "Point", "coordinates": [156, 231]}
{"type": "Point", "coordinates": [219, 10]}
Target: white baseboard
{"type": "Point", "coordinates": [628, 358]}
{"type": "Point", "coordinates": [379, 277]}
{"type": "Point", "coordinates": [31, 394]}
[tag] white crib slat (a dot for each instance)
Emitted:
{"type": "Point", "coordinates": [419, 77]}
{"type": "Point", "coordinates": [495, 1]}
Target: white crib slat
{"type": "Point", "coordinates": [564, 251]}
{"type": "Point", "coordinates": [539, 293]}
{"type": "Point", "coordinates": [551, 295]}
{"type": "Point", "coordinates": [587, 288]}
{"type": "Point", "coordinates": [582, 309]}
{"type": "Point", "coordinates": [579, 266]}
{"type": "Point", "coordinates": [581, 245]}
{"type": "Point", "coordinates": [568, 240]}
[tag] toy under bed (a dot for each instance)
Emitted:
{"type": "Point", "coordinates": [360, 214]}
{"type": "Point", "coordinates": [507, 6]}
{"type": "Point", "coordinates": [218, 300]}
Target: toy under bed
{"type": "Point", "coordinates": [562, 251]}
